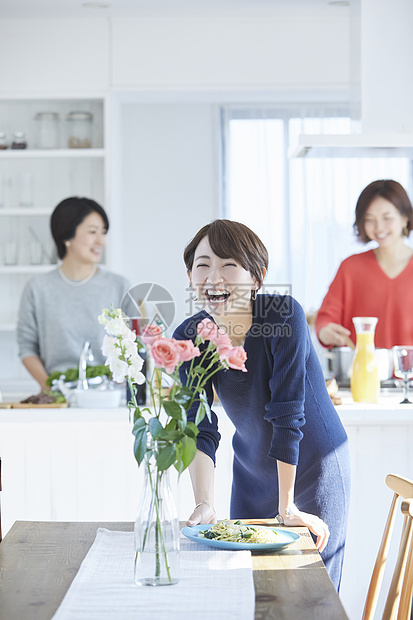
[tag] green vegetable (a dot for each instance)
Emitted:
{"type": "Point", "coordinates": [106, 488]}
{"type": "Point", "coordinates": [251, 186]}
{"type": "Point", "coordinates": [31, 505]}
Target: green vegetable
{"type": "Point", "coordinates": [72, 374]}
{"type": "Point", "coordinates": [58, 397]}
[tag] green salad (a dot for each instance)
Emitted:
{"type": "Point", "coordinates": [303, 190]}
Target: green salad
{"type": "Point", "coordinates": [72, 374]}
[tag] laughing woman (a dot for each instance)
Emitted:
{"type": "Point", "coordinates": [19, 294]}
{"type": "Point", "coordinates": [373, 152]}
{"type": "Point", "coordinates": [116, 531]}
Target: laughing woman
{"type": "Point", "coordinates": [290, 448]}
{"type": "Point", "coordinates": [58, 310]}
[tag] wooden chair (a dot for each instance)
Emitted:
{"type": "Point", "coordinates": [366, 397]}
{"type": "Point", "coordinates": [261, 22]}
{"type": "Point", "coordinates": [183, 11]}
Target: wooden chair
{"type": "Point", "coordinates": [399, 599]}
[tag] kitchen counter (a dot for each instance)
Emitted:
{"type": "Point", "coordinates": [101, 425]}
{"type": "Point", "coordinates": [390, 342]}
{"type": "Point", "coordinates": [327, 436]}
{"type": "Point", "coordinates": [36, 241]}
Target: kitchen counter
{"type": "Point", "coordinates": [380, 440]}
{"type": "Point", "coordinates": [387, 410]}
{"type": "Point", "coordinates": [77, 465]}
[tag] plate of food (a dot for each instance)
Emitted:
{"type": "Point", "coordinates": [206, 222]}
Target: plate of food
{"type": "Point", "coordinates": [225, 535]}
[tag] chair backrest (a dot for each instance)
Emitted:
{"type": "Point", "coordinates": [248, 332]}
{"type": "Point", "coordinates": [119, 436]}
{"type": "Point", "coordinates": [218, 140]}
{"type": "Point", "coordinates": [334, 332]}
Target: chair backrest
{"type": "Point", "coordinates": [406, 555]}
{"type": "Point", "coordinates": [399, 599]}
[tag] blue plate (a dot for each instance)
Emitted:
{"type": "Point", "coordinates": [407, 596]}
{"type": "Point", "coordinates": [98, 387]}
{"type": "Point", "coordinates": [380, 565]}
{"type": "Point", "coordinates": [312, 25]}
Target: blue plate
{"type": "Point", "coordinates": [284, 538]}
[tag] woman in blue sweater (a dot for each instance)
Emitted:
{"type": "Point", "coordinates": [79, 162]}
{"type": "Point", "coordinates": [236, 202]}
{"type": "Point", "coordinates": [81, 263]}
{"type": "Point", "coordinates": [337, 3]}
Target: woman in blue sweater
{"type": "Point", "coordinates": [290, 448]}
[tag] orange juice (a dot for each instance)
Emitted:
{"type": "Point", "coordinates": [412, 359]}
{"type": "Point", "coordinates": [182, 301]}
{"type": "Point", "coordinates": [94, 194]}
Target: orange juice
{"type": "Point", "coordinates": [365, 382]}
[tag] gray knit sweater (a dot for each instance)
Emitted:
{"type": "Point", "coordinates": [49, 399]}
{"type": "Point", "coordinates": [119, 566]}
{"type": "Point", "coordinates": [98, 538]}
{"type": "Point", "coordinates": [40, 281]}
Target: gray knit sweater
{"type": "Point", "coordinates": [55, 318]}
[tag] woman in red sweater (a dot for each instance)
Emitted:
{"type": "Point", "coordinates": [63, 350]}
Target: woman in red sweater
{"type": "Point", "coordinates": [378, 282]}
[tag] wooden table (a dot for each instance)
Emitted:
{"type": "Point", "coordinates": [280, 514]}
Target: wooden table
{"type": "Point", "coordinates": [39, 560]}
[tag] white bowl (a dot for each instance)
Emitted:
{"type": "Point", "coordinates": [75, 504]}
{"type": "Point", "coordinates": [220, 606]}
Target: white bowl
{"type": "Point", "coordinates": [98, 399]}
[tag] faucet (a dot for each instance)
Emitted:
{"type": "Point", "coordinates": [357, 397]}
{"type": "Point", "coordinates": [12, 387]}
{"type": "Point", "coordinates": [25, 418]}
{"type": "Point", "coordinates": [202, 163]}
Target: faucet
{"type": "Point", "coordinates": [85, 356]}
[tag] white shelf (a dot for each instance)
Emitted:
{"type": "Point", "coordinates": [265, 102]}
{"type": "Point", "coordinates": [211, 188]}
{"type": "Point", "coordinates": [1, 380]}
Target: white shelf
{"type": "Point", "coordinates": [8, 327]}
{"type": "Point", "coordinates": [9, 269]}
{"type": "Point", "coordinates": [51, 153]}
{"type": "Point", "coordinates": [24, 211]}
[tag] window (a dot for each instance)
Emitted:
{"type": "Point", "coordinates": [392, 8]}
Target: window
{"type": "Point", "coordinates": [303, 210]}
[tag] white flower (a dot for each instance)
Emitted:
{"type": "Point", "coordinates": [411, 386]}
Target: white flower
{"type": "Point", "coordinates": [135, 366]}
{"type": "Point", "coordinates": [136, 361]}
{"type": "Point", "coordinates": [135, 375]}
{"type": "Point", "coordinates": [129, 345]}
{"type": "Point", "coordinates": [103, 318]}
{"type": "Point", "coordinates": [118, 367]}
{"type": "Point", "coordinates": [116, 327]}
{"type": "Point", "coordinates": [110, 346]}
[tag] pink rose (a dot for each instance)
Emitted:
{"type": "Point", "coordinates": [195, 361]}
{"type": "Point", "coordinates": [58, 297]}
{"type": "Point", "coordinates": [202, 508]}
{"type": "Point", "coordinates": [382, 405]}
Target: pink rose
{"type": "Point", "coordinates": [150, 333]}
{"type": "Point", "coordinates": [207, 329]}
{"type": "Point", "coordinates": [187, 350]}
{"type": "Point", "coordinates": [165, 354]}
{"type": "Point", "coordinates": [236, 358]}
{"type": "Point", "coordinates": [223, 343]}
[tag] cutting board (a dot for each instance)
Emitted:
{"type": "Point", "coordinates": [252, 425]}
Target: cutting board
{"type": "Point", "coordinates": [17, 405]}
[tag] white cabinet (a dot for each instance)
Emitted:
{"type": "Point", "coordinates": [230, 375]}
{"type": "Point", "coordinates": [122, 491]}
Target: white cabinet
{"type": "Point", "coordinates": [32, 182]}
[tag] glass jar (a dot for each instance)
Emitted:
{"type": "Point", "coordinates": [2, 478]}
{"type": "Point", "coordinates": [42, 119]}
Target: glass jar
{"type": "Point", "coordinates": [19, 140]}
{"type": "Point", "coordinates": [79, 130]}
{"type": "Point", "coordinates": [47, 130]}
{"type": "Point", "coordinates": [3, 143]}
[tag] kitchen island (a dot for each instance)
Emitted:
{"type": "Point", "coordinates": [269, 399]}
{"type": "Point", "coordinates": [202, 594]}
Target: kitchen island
{"type": "Point", "coordinates": [77, 465]}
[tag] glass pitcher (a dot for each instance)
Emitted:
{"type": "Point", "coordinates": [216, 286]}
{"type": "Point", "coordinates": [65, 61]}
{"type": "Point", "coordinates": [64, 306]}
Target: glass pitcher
{"type": "Point", "coordinates": [365, 382]}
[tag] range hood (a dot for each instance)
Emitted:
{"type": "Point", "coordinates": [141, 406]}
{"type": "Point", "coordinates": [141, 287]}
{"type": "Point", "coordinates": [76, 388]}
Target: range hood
{"type": "Point", "coordinates": [381, 51]}
{"type": "Point", "coordinates": [354, 145]}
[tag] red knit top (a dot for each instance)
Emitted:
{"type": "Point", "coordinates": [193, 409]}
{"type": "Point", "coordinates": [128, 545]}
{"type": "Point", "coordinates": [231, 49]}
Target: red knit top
{"type": "Point", "coordinates": [361, 288]}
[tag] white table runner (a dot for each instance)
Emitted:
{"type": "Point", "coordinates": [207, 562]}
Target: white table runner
{"type": "Point", "coordinates": [214, 584]}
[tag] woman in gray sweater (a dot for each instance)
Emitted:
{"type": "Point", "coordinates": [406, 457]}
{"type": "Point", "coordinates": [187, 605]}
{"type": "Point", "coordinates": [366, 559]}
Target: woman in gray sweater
{"type": "Point", "coordinates": [58, 310]}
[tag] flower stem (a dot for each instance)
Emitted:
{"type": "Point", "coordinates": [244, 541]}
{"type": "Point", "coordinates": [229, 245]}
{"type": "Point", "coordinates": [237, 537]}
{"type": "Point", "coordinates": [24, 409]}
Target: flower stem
{"type": "Point", "coordinates": [159, 535]}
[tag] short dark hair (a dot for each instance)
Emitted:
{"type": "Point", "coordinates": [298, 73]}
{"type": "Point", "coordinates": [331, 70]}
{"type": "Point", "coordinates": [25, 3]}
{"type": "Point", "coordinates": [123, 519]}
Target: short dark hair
{"type": "Point", "coordinates": [68, 215]}
{"type": "Point", "coordinates": [230, 239]}
{"type": "Point", "coordinates": [391, 191]}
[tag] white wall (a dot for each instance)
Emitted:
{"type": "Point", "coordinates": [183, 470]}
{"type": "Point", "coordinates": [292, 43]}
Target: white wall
{"type": "Point", "coordinates": [283, 48]}
{"type": "Point", "coordinates": [54, 55]}
{"type": "Point", "coordinates": [169, 168]}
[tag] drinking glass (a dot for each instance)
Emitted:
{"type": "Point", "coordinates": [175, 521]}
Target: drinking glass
{"type": "Point", "coordinates": [26, 189]}
{"type": "Point", "coordinates": [36, 253]}
{"type": "Point", "coordinates": [10, 253]}
{"type": "Point", "coordinates": [403, 369]}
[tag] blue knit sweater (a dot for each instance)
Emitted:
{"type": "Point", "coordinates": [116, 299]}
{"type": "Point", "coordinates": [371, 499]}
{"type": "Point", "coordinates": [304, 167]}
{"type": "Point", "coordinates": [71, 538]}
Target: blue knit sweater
{"type": "Point", "coordinates": [280, 409]}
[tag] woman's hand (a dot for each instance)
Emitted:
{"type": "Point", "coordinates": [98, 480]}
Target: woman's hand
{"type": "Point", "coordinates": [334, 334]}
{"type": "Point", "coordinates": [314, 524]}
{"type": "Point", "coordinates": [203, 513]}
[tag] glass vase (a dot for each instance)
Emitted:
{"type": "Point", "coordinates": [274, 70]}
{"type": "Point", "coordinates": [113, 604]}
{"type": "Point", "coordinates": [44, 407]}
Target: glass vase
{"type": "Point", "coordinates": [156, 527]}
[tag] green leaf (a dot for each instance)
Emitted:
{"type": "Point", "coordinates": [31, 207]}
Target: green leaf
{"type": "Point", "coordinates": [188, 447]}
{"type": "Point", "coordinates": [182, 425]}
{"type": "Point", "coordinates": [140, 432]}
{"type": "Point", "coordinates": [138, 425]}
{"type": "Point", "coordinates": [137, 414]}
{"type": "Point", "coordinates": [174, 409]}
{"type": "Point", "coordinates": [191, 430]}
{"type": "Point", "coordinates": [173, 435]}
{"type": "Point", "coordinates": [204, 400]}
{"type": "Point", "coordinates": [199, 370]}
{"type": "Point", "coordinates": [166, 457]}
{"type": "Point", "coordinates": [183, 396]}
{"type": "Point", "coordinates": [179, 465]}
{"type": "Point", "coordinates": [171, 426]}
{"type": "Point", "coordinates": [200, 414]}
{"type": "Point", "coordinates": [155, 427]}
